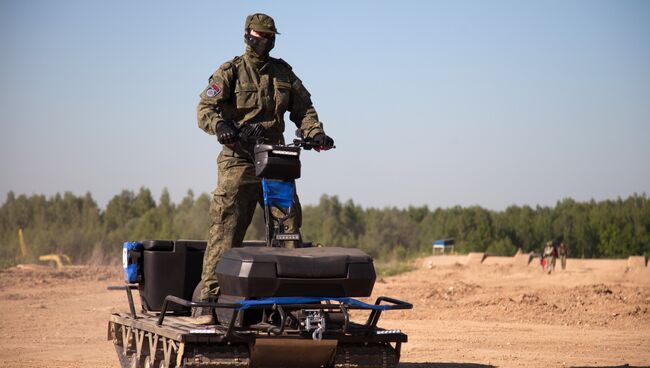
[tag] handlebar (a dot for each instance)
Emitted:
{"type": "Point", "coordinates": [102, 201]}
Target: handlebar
{"type": "Point", "coordinates": [253, 134]}
{"type": "Point", "coordinates": [307, 144]}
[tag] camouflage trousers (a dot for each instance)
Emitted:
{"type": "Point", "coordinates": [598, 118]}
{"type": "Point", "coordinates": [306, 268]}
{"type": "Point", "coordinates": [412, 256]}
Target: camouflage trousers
{"type": "Point", "coordinates": [550, 264]}
{"type": "Point", "coordinates": [234, 201]}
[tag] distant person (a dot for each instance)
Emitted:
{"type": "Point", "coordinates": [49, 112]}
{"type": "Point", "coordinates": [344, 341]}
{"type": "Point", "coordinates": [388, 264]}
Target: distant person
{"type": "Point", "coordinates": [549, 254]}
{"type": "Point", "coordinates": [563, 251]}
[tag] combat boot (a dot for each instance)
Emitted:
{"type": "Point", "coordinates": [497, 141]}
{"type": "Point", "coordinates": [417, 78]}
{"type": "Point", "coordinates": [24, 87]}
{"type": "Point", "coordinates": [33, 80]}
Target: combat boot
{"type": "Point", "coordinates": [205, 319]}
{"type": "Point", "coordinates": [203, 316]}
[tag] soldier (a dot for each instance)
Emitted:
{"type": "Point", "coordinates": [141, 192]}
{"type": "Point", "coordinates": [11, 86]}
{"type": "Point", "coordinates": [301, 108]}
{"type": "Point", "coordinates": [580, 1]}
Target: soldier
{"type": "Point", "coordinates": [563, 252]}
{"type": "Point", "coordinates": [549, 256]}
{"type": "Point", "coordinates": [247, 98]}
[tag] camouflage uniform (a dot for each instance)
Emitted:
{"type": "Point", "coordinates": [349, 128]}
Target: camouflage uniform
{"type": "Point", "coordinates": [563, 251]}
{"type": "Point", "coordinates": [249, 89]}
{"type": "Point", "coordinates": [550, 255]}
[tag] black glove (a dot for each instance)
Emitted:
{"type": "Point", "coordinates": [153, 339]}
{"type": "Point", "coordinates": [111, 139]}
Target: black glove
{"type": "Point", "coordinates": [226, 133]}
{"type": "Point", "coordinates": [323, 141]}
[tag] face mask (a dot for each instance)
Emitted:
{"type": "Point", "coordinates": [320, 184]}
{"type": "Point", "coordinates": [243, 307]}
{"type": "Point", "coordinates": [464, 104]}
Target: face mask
{"type": "Point", "coordinates": [261, 46]}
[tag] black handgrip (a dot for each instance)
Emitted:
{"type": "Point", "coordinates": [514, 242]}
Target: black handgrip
{"type": "Point", "coordinates": [307, 144]}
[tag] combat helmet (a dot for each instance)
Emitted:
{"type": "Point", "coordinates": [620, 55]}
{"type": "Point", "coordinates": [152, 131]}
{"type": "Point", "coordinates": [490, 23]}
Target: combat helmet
{"type": "Point", "coordinates": [260, 23]}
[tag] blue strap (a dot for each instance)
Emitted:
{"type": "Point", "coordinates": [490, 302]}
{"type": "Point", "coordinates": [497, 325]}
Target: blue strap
{"type": "Point", "coordinates": [307, 300]}
{"type": "Point", "coordinates": [278, 193]}
{"type": "Point", "coordinates": [130, 269]}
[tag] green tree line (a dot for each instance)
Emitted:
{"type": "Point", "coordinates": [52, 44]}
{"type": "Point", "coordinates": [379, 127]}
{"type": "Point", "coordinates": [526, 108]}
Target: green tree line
{"type": "Point", "coordinates": [77, 226]}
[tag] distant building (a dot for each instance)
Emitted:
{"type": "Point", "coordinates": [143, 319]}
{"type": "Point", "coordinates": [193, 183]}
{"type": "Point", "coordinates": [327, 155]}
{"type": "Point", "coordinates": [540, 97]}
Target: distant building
{"type": "Point", "coordinates": [443, 246]}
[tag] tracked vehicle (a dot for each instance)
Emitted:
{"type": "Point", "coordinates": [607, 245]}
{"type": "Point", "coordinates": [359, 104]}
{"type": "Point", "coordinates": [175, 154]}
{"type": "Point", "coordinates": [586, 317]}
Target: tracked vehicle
{"type": "Point", "coordinates": [277, 307]}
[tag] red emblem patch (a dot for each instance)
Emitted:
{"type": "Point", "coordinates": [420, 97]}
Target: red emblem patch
{"type": "Point", "coordinates": [212, 90]}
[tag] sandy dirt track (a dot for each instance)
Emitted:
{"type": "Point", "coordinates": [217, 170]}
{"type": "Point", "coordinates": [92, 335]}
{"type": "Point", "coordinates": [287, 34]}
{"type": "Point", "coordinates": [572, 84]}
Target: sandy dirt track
{"type": "Point", "coordinates": [594, 314]}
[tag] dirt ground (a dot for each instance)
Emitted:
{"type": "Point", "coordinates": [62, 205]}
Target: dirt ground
{"type": "Point", "coordinates": [594, 314]}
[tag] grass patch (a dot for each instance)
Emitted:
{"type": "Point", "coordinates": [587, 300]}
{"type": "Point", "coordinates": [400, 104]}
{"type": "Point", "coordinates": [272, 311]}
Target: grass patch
{"type": "Point", "coordinates": [393, 267]}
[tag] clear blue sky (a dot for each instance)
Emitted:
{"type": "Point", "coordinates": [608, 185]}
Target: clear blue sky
{"type": "Point", "coordinates": [439, 103]}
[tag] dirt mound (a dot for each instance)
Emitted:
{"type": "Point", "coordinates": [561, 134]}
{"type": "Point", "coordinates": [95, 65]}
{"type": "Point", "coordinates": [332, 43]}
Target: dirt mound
{"type": "Point", "coordinates": [453, 291]}
{"type": "Point", "coordinates": [475, 259]}
{"type": "Point", "coordinates": [521, 259]}
{"type": "Point", "coordinates": [509, 294]}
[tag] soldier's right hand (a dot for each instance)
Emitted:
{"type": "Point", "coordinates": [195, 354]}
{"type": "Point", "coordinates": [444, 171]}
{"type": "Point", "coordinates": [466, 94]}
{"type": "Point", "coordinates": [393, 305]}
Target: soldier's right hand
{"type": "Point", "coordinates": [323, 142]}
{"type": "Point", "coordinates": [226, 133]}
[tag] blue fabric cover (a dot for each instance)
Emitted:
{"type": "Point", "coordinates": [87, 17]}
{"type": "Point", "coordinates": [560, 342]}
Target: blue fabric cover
{"type": "Point", "coordinates": [278, 193]}
{"type": "Point", "coordinates": [306, 300]}
{"type": "Point", "coordinates": [130, 269]}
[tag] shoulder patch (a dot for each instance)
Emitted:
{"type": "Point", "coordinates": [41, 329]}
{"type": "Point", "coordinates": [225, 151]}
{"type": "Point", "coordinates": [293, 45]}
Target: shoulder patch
{"type": "Point", "coordinates": [212, 90]}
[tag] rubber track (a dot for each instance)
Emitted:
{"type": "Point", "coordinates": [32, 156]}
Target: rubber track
{"type": "Point", "coordinates": [360, 356]}
{"type": "Point", "coordinates": [347, 356]}
{"type": "Point", "coordinates": [205, 356]}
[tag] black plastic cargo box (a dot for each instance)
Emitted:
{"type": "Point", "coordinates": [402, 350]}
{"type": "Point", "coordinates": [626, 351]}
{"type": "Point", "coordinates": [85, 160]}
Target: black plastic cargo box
{"type": "Point", "coordinates": [277, 162]}
{"type": "Point", "coordinates": [325, 272]}
{"type": "Point", "coordinates": [170, 267]}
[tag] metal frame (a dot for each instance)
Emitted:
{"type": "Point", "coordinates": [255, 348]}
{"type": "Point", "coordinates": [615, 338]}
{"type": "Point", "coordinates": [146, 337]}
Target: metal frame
{"type": "Point", "coordinates": [129, 296]}
{"type": "Point", "coordinates": [369, 326]}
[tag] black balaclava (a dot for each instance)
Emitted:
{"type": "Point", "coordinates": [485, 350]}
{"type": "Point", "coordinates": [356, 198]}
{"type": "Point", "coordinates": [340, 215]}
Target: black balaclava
{"type": "Point", "coordinates": [262, 46]}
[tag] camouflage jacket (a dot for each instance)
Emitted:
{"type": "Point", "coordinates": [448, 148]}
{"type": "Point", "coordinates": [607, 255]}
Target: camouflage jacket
{"type": "Point", "coordinates": [241, 93]}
